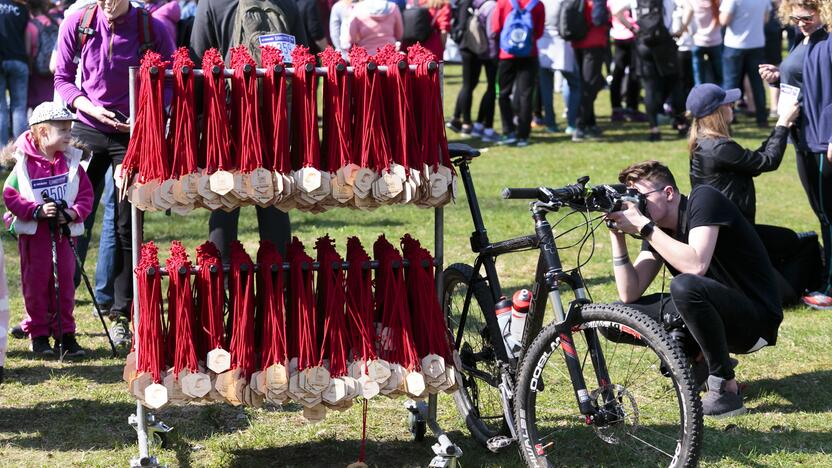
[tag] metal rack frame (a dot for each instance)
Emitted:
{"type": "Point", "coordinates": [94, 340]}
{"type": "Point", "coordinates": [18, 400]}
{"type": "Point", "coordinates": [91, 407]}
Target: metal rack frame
{"type": "Point", "coordinates": [446, 452]}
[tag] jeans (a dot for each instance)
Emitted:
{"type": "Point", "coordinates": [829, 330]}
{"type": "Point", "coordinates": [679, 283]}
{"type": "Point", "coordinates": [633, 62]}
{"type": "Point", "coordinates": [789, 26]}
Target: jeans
{"type": "Point", "coordinates": [108, 150]}
{"type": "Point", "coordinates": [517, 80]}
{"type": "Point", "coordinates": [572, 93]}
{"type": "Point", "coordinates": [739, 62]}
{"type": "Point", "coordinates": [590, 62]}
{"type": "Point", "coordinates": [14, 77]}
{"type": "Point", "coordinates": [720, 319]}
{"type": "Point", "coordinates": [471, 67]}
{"type": "Point", "coordinates": [106, 244]}
{"type": "Point", "coordinates": [707, 64]}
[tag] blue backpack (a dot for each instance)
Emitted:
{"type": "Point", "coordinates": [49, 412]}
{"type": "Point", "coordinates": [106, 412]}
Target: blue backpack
{"type": "Point", "coordinates": [517, 36]}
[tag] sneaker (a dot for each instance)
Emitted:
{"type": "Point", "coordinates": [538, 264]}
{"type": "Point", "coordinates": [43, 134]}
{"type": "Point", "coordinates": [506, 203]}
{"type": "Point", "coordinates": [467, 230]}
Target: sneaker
{"type": "Point", "coordinates": [522, 143]}
{"type": "Point", "coordinates": [120, 332]}
{"type": "Point", "coordinates": [17, 332]}
{"type": "Point", "coordinates": [40, 346]}
{"type": "Point", "coordinates": [578, 135]}
{"type": "Point", "coordinates": [477, 130]}
{"type": "Point", "coordinates": [553, 129]}
{"type": "Point", "coordinates": [654, 136]}
{"type": "Point", "coordinates": [699, 371]}
{"type": "Point", "coordinates": [71, 347]}
{"type": "Point", "coordinates": [618, 116]}
{"type": "Point", "coordinates": [593, 133]}
{"type": "Point", "coordinates": [508, 139]}
{"type": "Point", "coordinates": [537, 121]}
{"type": "Point", "coordinates": [818, 300]}
{"type": "Point", "coordinates": [466, 129]}
{"type": "Point", "coordinates": [454, 125]}
{"type": "Point", "coordinates": [635, 116]}
{"type": "Point", "coordinates": [103, 309]}
{"type": "Point", "coordinates": [489, 136]}
{"type": "Point", "coordinates": [569, 130]}
{"type": "Point", "coordinates": [718, 403]}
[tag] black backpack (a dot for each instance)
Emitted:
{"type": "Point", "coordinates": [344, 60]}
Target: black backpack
{"type": "Point", "coordinates": [459, 22]}
{"type": "Point", "coordinates": [417, 24]}
{"type": "Point", "coordinates": [651, 29]}
{"type": "Point", "coordinates": [571, 21]}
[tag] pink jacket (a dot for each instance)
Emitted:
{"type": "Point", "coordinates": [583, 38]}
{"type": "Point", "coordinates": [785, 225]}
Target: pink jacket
{"type": "Point", "coordinates": [38, 167]}
{"type": "Point", "coordinates": [375, 23]}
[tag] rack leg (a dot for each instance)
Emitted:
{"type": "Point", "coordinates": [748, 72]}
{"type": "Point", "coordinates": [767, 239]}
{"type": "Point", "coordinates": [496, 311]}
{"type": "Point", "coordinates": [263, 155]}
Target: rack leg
{"type": "Point", "coordinates": [446, 452]}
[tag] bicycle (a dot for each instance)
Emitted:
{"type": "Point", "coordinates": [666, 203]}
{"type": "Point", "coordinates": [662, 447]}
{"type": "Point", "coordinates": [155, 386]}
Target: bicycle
{"type": "Point", "coordinates": [644, 397]}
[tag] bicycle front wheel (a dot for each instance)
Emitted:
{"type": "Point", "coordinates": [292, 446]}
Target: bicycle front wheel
{"type": "Point", "coordinates": [650, 412]}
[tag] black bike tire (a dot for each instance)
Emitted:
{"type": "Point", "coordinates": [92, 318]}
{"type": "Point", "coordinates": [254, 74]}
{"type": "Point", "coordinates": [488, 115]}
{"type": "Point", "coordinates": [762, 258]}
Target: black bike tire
{"type": "Point", "coordinates": [462, 273]}
{"type": "Point", "coordinates": [660, 341]}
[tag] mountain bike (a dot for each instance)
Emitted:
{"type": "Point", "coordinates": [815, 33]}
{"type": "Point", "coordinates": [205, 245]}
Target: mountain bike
{"type": "Point", "coordinates": [595, 371]}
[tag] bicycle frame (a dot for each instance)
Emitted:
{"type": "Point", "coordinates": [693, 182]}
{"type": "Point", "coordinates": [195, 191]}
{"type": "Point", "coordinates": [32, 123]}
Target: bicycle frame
{"type": "Point", "coordinates": [549, 275]}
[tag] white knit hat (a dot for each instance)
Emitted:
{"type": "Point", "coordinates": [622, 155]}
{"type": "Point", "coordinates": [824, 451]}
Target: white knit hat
{"type": "Point", "coordinates": [50, 111]}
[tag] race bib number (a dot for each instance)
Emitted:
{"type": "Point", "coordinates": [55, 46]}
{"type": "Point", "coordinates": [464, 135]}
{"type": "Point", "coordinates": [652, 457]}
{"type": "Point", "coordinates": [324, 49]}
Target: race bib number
{"type": "Point", "coordinates": [284, 42]}
{"type": "Point", "coordinates": [788, 97]}
{"type": "Point", "coordinates": [53, 187]}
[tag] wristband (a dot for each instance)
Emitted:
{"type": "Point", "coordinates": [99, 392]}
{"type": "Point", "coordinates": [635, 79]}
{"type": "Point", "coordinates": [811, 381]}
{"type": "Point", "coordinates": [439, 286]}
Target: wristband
{"type": "Point", "coordinates": [36, 214]}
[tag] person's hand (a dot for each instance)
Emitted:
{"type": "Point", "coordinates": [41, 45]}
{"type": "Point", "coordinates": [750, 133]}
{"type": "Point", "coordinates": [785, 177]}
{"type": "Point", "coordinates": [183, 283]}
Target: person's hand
{"type": "Point", "coordinates": [629, 221]}
{"type": "Point", "coordinates": [101, 114]}
{"type": "Point", "coordinates": [48, 210]}
{"type": "Point", "coordinates": [769, 73]}
{"type": "Point", "coordinates": [789, 116]}
{"type": "Point", "coordinates": [69, 212]}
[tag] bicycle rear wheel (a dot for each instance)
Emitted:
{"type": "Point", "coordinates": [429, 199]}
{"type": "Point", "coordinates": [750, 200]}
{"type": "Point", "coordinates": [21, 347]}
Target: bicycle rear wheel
{"type": "Point", "coordinates": [478, 399]}
{"type": "Point", "coordinates": [654, 417]}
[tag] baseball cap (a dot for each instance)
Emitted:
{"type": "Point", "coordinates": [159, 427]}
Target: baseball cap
{"type": "Point", "coordinates": [50, 111]}
{"type": "Point", "coordinates": [704, 99]}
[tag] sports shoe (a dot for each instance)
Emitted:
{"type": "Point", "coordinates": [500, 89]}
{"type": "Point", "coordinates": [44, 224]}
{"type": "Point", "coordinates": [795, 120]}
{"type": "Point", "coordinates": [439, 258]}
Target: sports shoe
{"type": "Point", "coordinates": [818, 300]}
{"type": "Point", "coordinates": [635, 116]}
{"type": "Point", "coordinates": [120, 331]}
{"type": "Point", "coordinates": [508, 139]}
{"type": "Point", "coordinates": [71, 347]}
{"type": "Point", "coordinates": [477, 129]}
{"type": "Point", "coordinates": [654, 136]}
{"type": "Point", "coordinates": [454, 125]}
{"type": "Point", "coordinates": [618, 116]}
{"type": "Point", "coordinates": [489, 136]}
{"type": "Point", "coordinates": [570, 130]}
{"type": "Point", "coordinates": [718, 403]}
{"type": "Point", "coordinates": [593, 133]}
{"type": "Point", "coordinates": [466, 129]}
{"type": "Point", "coordinates": [522, 143]}
{"type": "Point", "coordinates": [40, 346]}
{"type": "Point", "coordinates": [103, 309]}
{"type": "Point", "coordinates": [699, 370]}
{"type": "Point", "coordinates": [578, 135]}
{"type": "Point", "coordinates": [17, 332]}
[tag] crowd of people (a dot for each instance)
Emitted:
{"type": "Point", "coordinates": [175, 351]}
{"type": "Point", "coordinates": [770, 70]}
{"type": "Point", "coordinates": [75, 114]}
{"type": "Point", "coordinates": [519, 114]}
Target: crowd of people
{"type": "Point", "coordinates": [692, 59]}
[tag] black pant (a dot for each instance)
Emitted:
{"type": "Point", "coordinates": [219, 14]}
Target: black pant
{"type": "Point", "coordinates": [624, 75]}
{"type": "Point", "coordinates": [720, 319]}
{"type": "Point", "coordinates": [657, 89]}
{"type": "Point", "coordinates": [272, 224]}
{"type": "Point", "coordinates": [589, 63]}
{"type": "Point", "coordinates": [816, 176]}
{"type": "Point", "coordinates": [517, 78]}
{"type": "Point", "coordinates": [108, 149]}
{"type": "Point", "coordinates": [471, 67]}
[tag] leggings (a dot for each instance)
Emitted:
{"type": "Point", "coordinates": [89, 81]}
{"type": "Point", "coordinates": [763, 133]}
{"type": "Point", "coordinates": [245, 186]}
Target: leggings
{"type": "Point", "coordinates": [720, 319]}
{"type": "Point", "coordinates": [815, 174]}
{"type": "Point", "coordinates": [471, 66]}
{"type": "Point", "coordinates": [624, 75]}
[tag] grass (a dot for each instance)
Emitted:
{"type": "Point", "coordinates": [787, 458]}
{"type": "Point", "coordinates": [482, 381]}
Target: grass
{"type": "Point", "coordinates": [75, 414]}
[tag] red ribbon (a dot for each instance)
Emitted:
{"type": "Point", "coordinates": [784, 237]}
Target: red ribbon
{"type": "Point", "coordinates": [215, 151]}
{"type": "Point", "coordinates": [306, 150]}
{"type": "Point", "coordinates": [428, 108]}
{"type": "Point", "coordinates": [246, 109]}
{"type": "Point", "coordinates": [183, 139]}
{"type": "Point", "coordinates": [210, 297]}
{"type": "Point", "coordinates": [374, 152]}
{"type": "Point", "coordinates": [241, 289]}
{"type": "Point", "coordinates": [332, 301]}
{"type": "Point", "coordinates": [360, 302]}
{"type": "Point", "coordinates": [147, 151]}
{"type": "Point", "coordinates": [275, 117]}
{"type": "Point", "coordinates": [150, 332]}
{"type": "Point", "coordinates": [271, 304]}
{"type": "Point", "coordinates": [181, 317]}
{"type": "Point", "coordinates": [337, 141]}
{"type": "Point", "coordinates": [397, 345]}
{"type": "Point", "coordinates": [302, 321]}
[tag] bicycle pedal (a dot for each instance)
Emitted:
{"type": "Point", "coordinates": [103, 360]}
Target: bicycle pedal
{"type": "Point", "coordinates": [498, 443]}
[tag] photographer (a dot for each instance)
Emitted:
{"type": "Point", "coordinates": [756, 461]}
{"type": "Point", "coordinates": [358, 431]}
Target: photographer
{"type": "Point", "coordinates": [723, 285]}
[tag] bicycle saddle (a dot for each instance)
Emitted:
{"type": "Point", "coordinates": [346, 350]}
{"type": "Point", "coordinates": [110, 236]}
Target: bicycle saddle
{"type": "Point", "coordinates": [461, 150]}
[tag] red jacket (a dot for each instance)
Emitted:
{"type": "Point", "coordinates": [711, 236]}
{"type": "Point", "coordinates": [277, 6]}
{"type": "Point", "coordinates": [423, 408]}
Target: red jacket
{"type": "Point", "coordinates": [598, 36]}
{"type": "Point", "coordinates": [501, 12]}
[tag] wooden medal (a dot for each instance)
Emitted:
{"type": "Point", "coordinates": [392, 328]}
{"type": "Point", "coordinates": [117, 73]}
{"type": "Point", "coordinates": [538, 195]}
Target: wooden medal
{"type": "Point", "coordinates": [140, 383]}
{"type": "Point", "coordinates": [219, 360]}
{"type": "Point", "coordinates": [262, 183]}
{"type": "Point", "coordinates": [335, 392]}
{"type": "Point", "coordinates": [369, 387]}
{"type": "Point", "coordinates": [433, 365]}
{"type": "Point", "coordinates": [395, 380]}
{"type": "Point", "coordinates": [222, 182]}
{"type": "Point", "coordinates": [316, 379]}
{"type": "Point", "coordinates": [155, 396]}
{"type": "Point", "coordinates": [341, 191]}
{"type": "Point", "coordinates": [314, 414]}
{"type": "Point", "coordinates": [182, 210]}
{"type": "Point", "coordinates": [363, 183]}
{"type": "Point", "coordinates": [346, 174]}
{"type": "Point", "coordinates": [415, 384]}
{"type": "Point", "coordinates": [276, 378]}
{"type": "Point", "coordinates": [194, 384]}
{"type": "Point", "coordinates": [203, 187]}
{"type": "Point", "coordinates": [129, 372]}
{"type": "Point", "coordinates": [379, 371]}
{"type": "Point", "coordinates": [242, 185]}
{"type": "Point", "coordinates": [166, 190]}
{"type": "Point", "coordinates": [257, 382]}
{"type": "Point", "coordinates": [174, 388]}
{"type": "Point", "coordinates": [308, 179]}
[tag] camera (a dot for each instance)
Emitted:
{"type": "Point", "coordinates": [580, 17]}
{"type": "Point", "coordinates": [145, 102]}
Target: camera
{"type": "Point", "coordinates": [610, 198]}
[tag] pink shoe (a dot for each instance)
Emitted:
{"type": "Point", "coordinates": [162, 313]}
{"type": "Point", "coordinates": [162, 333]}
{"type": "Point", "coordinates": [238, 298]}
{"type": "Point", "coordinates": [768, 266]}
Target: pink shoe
{"type": "Point", "coordinates": [818, 300]}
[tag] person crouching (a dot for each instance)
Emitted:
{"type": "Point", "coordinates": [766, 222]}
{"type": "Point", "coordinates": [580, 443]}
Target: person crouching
{"type": "Point", "coordinates": [47, 168]}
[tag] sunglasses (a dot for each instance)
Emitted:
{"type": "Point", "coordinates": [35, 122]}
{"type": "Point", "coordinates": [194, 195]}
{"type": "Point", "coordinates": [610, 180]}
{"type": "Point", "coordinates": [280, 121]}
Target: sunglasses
{"type": "Point", "coordinates": [805, 18]}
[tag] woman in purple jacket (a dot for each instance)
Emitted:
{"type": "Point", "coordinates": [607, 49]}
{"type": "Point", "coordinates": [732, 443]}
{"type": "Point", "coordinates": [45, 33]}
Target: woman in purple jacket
{"type": "Point", "coordinates": [119, 35]}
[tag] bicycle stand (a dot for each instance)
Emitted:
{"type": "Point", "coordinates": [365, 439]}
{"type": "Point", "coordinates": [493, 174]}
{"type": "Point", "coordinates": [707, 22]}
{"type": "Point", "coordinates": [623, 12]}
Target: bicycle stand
{"type": "Point", "coordinates": [155, 433]}
{"type": "Point", "coordinates": [446, 452]}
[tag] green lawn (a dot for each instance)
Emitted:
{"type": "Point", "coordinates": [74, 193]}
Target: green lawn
{"type": "Point", "coordinates": [75, 414]}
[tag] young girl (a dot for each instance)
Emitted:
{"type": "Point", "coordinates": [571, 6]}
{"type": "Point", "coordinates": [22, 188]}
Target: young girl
{"type": "Point", "coordinates": [47, 168]}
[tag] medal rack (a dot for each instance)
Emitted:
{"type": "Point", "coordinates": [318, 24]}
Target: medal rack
{"type": "Point", "coordinates": [421, 415]}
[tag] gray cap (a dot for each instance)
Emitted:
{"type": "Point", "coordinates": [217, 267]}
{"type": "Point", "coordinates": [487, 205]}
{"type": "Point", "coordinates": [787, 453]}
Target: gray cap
{"type": "Point", "coordinates": [50, 111]}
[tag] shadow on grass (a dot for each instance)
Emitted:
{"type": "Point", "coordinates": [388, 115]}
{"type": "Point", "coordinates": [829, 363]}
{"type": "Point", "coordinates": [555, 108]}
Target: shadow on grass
{"type": "Point", "coordinates": [793, 389]}
{"type": "Point", "coordinates": [31, 375]}
{"type": "Point", "coordinates": [738, 446]}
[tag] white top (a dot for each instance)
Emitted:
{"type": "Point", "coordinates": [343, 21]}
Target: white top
{"type": "Point", "coordinates": [745, 31]}
{"type": "Point", "coordinates": [704, 25]}
{"type": "Point", "coordinates": [552, 51]}
{"type": "Point", "coordinates": [685, 41]}
{"type": "Point", "coordinates": [667, 12]}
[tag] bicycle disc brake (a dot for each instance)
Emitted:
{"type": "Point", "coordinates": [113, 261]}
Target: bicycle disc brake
{"type": "Point", "coordinates": [617, 417]}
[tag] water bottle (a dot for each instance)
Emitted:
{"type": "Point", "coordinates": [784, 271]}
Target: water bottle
{"type": "Point", "coordinates": [503, 309]}
{"type": "Point", "coordinates": [519, 310]}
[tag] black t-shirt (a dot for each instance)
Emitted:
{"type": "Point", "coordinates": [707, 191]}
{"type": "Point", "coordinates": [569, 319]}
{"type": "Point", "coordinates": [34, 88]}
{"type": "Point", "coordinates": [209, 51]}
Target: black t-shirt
{"type": "Point", "coordinates": [739, 261]}
{"type": "Point", "coordinates": [13, 20]}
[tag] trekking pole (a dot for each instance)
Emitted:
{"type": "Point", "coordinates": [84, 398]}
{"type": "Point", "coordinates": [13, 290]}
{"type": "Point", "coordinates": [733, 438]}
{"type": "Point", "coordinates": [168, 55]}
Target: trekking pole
{"type": "Point", "coordinates": [53, 234]}
{"type": "Point", "coordinates": [65, 230]}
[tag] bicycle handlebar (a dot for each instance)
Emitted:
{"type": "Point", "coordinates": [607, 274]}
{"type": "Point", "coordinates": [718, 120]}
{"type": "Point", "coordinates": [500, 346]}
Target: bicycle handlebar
{"type": "Point", "coordinates": [607, 197]}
